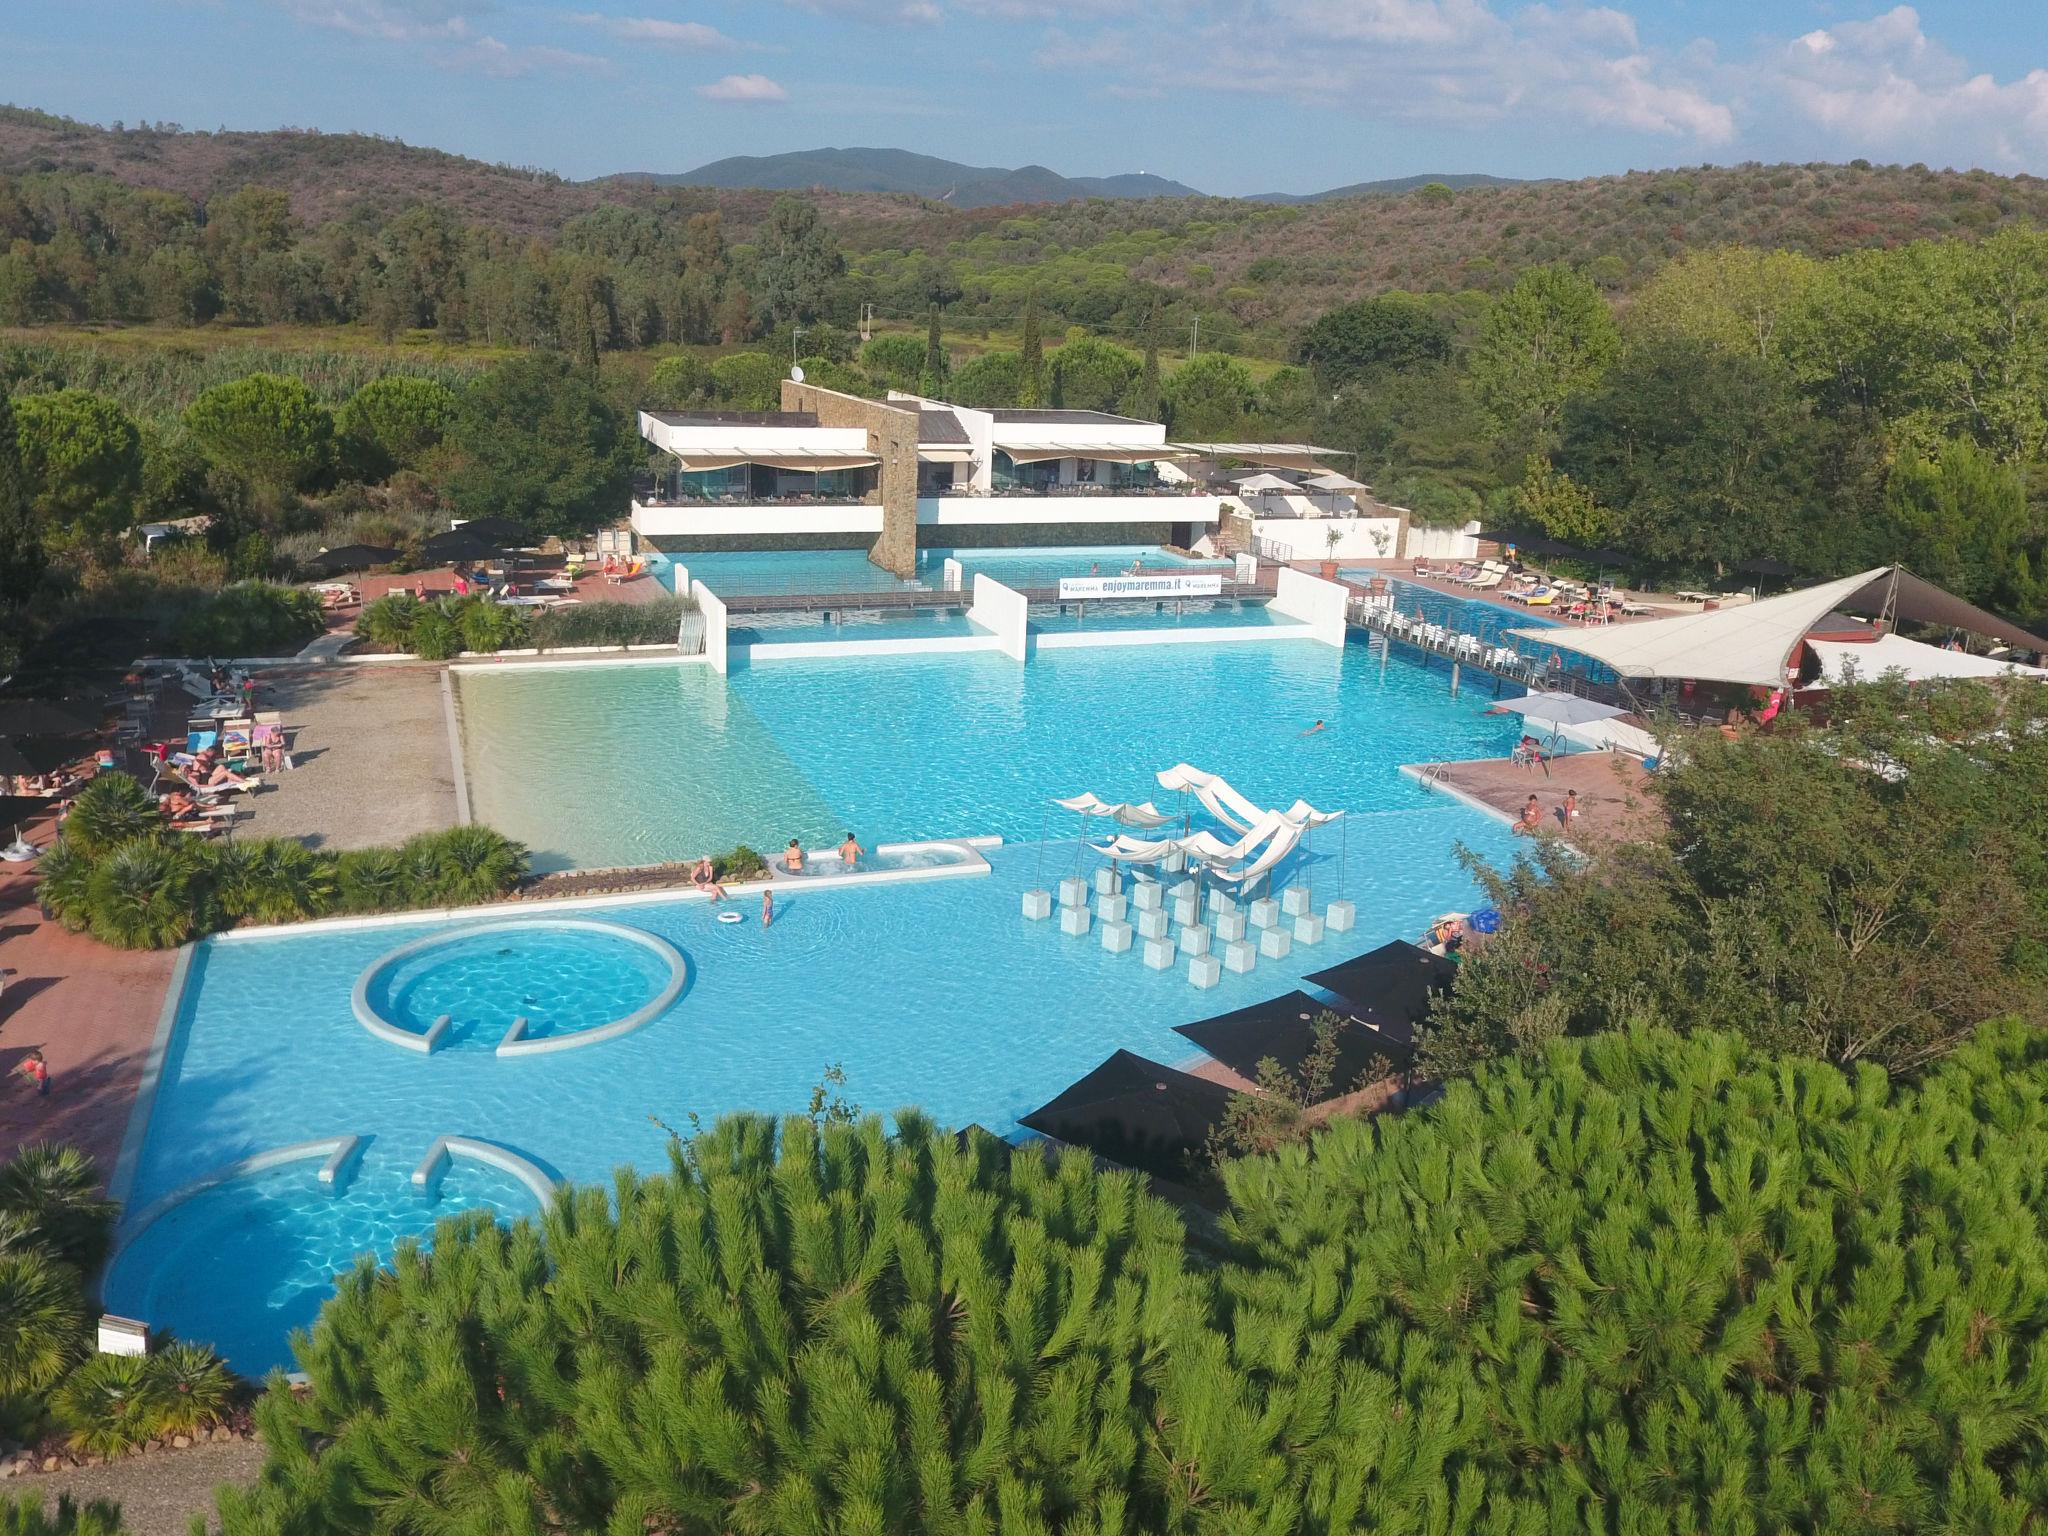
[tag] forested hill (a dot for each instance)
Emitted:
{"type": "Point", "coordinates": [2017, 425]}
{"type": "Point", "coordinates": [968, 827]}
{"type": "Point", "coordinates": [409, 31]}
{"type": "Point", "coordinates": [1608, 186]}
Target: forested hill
{"type": "Point", "coordinates": [898, 170]}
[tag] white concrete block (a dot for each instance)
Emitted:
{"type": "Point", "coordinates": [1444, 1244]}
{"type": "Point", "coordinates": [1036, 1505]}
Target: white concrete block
{"type": "Point", "coordinates": [1116, 937]}
{"type": "Point", "coordinates": [1160, 954]}
{"type": "Point", "coordinates": [1229, 926]}
{"type": "Point", "coordinates": [1108, 882]}
{"type": "Point", "coordinates": [1274, 943]}
{"type": "Point", "coordinates": [1295, 901]}
{"type": "Point", "coordinates": [1075, 920]}
{"type": "Point", "coordinates": [1148, 896]}
{"type": "Point", "coordinates": [1203, 971]}
{"type": "Point", "coordinates": [1308, 929]}
{"type": "Point", "coordinates": [1194, 940]}
{"type": "Point", "coordinates": [1151, 925]}
{"type": "Point", "coordinates": [1339, 916]}
{"type": "Point", "coordinates": [1111, 909]}
{"type": "Point", "coordinates": [1073, 892]}
{"type": "Point", "coordinates": [1184, 890]}
{"type": "Point", "coordinates": [1239, 957]}
{"type": "Point", "coordinates": [1037, 904]}
{"type": "Point", "coordinates": [1185, 911]}
{"type": "Point", "coordinates": [1222, 901]}
{"type": "Point", "coordinates": [1265, 912]}
{"type": "Point", "coordinates": [1174, 862]}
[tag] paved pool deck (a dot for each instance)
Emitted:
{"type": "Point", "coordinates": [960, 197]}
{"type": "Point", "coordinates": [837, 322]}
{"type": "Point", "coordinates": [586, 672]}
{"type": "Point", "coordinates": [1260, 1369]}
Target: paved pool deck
{"type": "Point", "coordinates": [1614, 805]}
{"type": "Point", "coordinates": [371, 743]}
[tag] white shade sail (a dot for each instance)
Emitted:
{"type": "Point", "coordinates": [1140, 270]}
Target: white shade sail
{"type": "Point", "coordinates": [698, 459]}
{"type": "Point", "coordinates": [1088, 804]}
{"type": "Point", "coordinates": [945, 453]}
{"type": "Point", "coordinates": [1118, 453]}
{"type": "Point", "coordinates": [1750, 644]}
{"type": "Point", "coordinates": [1872, 659]}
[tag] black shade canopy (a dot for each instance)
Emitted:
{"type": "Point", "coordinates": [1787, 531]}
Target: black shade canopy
{"type": "Point", "coordinates": [502, 530]}
{"type": "Point", "coordinates": [11, 760]}
{"type": "Point", "coordinates": [39, 717]}
{"type": "Point", "coordinates": [1763, 565]}
{"type": "Point", "coordinates": [462, 544]}
{"type": "Point", "coordinates": [1284, 1030]}
{"type": "Point", "coordinates": [1391, 986]}
{"type": "Point", "coordinates": [350, 557]}
{"type": "Point", "coordinates": [1140, 1114]}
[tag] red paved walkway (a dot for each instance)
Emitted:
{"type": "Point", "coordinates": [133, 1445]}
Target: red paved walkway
{"type": "Point", "coordinates": [90, 1009]}
{"type": "Point", "coordinates": [1613, 803]}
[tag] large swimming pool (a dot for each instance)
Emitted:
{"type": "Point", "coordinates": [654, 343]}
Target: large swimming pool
{"type": "Point", "coordinates": [768, 573]}
{"type": "Point", "coordinates": [599, 766]}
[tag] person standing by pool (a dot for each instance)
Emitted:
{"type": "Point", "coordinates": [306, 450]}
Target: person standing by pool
{"type": "Point", "coordinates": [1569, 811]}
{"type": "Point", "coordinates": [793, 857]}
{"type": "Point", "coordinates": [851, 852]}
{"type": "Point", "coordinates": [767, 908]}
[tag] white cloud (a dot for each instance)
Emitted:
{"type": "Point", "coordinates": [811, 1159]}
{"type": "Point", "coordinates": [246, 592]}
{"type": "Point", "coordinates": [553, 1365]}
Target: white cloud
{"type": "Point", "coordinates": [743, 88]}
{"type": "Point", "coordinates": [441, 30]}
{"type": "Point", "coordinates": [1884, 85]}
{"type": "Point", "coordinates": [487, 55]}
{"type": "Point", "coordinates": [888, 12]}
{"type": "Point", "coordinates": [685, 36]}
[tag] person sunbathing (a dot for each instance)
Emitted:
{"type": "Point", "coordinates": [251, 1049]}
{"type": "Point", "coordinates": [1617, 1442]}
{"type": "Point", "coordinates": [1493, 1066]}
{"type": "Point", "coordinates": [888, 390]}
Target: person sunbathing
{"type": "Point", "coordinates": [209, 772]}
{"type": "Point", "coordinates": [705, 878]}
{"type": "Point", "coordinates": [178, 805]}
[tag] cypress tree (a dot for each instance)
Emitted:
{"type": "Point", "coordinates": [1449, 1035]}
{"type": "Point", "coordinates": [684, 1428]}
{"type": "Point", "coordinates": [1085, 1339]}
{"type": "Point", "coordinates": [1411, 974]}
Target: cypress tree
{"type": "Point", "coordinates": [21, 544]}
{"type": "Point", "coordinates": [932, 381]}
{"type": "Point", "coordinates": [1031, 353]}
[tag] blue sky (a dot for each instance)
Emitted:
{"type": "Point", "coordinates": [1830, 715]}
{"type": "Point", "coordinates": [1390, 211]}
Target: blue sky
{"type": "Point", "coordinates": [1230, 96]}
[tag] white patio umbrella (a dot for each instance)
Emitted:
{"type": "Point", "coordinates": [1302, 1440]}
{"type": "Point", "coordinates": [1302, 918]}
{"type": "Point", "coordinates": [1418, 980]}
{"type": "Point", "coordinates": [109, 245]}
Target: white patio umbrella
{"type": "Point", "coordinates": [1551, 709]}
{"type": "Point", "coordinates": [1258, 484]}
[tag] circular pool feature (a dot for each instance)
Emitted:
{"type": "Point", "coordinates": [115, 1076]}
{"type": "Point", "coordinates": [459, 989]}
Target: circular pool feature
{"type": "Point", "coordinates": [521, 987]}
{"type": "Point", "coordinates": [246, 1255]}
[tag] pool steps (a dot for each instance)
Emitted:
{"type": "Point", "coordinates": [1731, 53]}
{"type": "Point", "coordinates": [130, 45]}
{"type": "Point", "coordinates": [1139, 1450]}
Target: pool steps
{"type": "Point", "coordinates": [337, 1163]}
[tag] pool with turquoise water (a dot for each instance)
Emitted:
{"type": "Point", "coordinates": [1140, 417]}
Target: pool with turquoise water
{"type": "Point", "coordinates": [1045, 567]}
{"type": "Point", "coordinates": [560, 980]}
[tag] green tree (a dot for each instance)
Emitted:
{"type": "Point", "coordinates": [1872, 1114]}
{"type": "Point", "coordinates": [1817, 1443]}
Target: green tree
{"type": "Point", "coordinates": [539, 443]}
{"type": "Point", "coordinates": [747, 381]}
{"type": "Point", "coordinates": [394, 422]}
{"type": "Point", "coordinates": [679, 382]}
{"type": "Point", "coordinates": [21, 544]}
{"type": "Point", "coordinates": [29, 1516]}
{"type": "Point", "coordinates": [1562, 508]}
{"type": "Point", "coordinates": [1210, 397]}
{"type": "Point", "coordinates": [991, 381]}
{"type": "Point", "coordinates": [1031, 382]}
{"type": "Point", "coordinates": [1089, 374]}
{"type": "Point", "coordinates": [81, 457]}
{"type": "Point", "coordinates": [1547, 339]}
{"type": "Point", "coordinates": [894, 360]}
{"type": "Point", "coordinates": [1729, 297]}
{"type": "Point", "coordinates": [248, 232]}
{"type": "Point", "coordinates": [1145, 399]}
{"type": "Point", "coordinates": [1961, 519]}
{"type": "Point", "coordinates": [267, 429]}
{"type": "Point", "coordinates": [1395, 330]}
{"type": "Point", "coordinates": [798, 262]}
{"type": "Point", "coordinates": [821, 1327]}
{"type": "Point", "coordinates": [931, 379]}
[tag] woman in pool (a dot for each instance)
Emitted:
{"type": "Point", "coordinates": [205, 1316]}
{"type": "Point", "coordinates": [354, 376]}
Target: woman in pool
{"type": "Point", "coordinates": [705, 878]}
{"type": "Point", "coordinates": [793, 857]}
{"type": "Point", "coordinates": [851, 852]}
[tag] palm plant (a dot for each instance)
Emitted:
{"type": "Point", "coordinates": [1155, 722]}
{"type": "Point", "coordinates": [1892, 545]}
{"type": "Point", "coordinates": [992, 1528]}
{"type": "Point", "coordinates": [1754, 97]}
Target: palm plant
{"type": "Point", "coordinates": [113, 809]}
{"type": "Point", "coordinates": [272, 880]}
{"type": "Point", "coordinates": [54, 1190]}
{"type": "Point", "coordinates": [435, 636]}
{"type": "Point", "coordinates": [142, 897]}
{"type": "Point", "coordinates": [464, 864]}
{"type": "Point", "coordinates": [64, 884]}
{"type": "Point", "coordinates": [372, 880]}
{"type": "Point", "coordinates": [195, 1388]}
{"type": "Point", "coordinates": [388, 622]}
{"type": "Point", "coordinates": [29, 1516]}
{"type": "Point", "coordinates": [42, 1320]}
{"type": "Point", "coordinates": [111, 1404]}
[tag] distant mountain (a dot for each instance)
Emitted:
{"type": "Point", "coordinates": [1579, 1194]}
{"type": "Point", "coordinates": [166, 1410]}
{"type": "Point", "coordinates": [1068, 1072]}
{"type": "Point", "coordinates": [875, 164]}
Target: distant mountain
{"type": "Point", "coordinates": [898, 170]}
{"type": "Point", "coordinates": [1394, 187]}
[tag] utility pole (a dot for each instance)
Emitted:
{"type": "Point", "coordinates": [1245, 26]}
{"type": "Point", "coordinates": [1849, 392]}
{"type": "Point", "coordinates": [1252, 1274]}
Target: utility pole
{"type": "Point", "coordinates": [795, 331]}
{"type": "Point", "coordinates": [1195, 348]}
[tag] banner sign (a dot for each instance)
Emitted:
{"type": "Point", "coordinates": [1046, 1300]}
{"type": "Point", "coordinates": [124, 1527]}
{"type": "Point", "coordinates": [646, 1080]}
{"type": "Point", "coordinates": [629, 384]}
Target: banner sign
{"type": "Point", "coordinates": [1074, 587]}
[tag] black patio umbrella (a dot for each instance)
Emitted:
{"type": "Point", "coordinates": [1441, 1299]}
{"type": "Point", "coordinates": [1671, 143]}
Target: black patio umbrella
{"type": "Point", "coordinates": [507, 534]}
{"type": "Point", "coordinates": [1283, 1030]}
{"type": "Point", "coordinates": [1763, 565]}
{"type": "Point", "coordinates": [350, 557]}
{"type": "Point", "coordinates": [11, 760]}
{"type": "Point", "coordinates": [461, 544]}
{"type": "Point", "coordinates": [1391, 986]}
{"type": "Point", "coordinates": [39, 717]}
{"type": "Point", "coordinates": [1140, 1114]}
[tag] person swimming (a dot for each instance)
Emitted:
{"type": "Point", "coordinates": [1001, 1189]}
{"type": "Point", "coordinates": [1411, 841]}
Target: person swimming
{"type": "Point", "coordinates": [1318, 726]}
{"type": "Point", "coordinates": [851, 852]}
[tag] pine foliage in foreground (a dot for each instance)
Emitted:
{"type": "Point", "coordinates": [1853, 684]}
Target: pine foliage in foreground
{"type": "Point", "coordinates": [1645, 1284]}
{"type": "Point", "coordinates": [1637, 1284]}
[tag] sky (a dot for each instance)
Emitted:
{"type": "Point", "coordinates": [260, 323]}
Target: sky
{"type": "Point", "coordinates": [1229, 96]}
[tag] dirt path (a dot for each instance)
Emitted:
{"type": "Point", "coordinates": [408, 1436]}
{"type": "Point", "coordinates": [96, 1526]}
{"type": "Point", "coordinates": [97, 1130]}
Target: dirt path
{"type": "Point", "coordinates": [158, 1494]}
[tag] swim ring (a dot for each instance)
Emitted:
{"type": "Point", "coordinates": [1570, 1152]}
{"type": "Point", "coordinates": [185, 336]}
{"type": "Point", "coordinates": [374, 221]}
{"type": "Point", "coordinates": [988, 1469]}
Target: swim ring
{"type": "Point", "coordinates": [731, 917]}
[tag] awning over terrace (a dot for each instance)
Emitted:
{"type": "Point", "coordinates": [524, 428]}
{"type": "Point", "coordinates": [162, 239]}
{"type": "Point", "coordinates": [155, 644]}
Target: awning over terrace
{"type": "Point", "coordinates": [1918, 662]}
{"type": "Point", "coordinates": [1279, 455]}
{"type": "Point", "coordinates": [1391, 986]}
{"type": "Point", "coordinates": [1754, 643]}
{"type": "Point", "coordinates": [1115, 453]}
{"type": "Point", "coordinates": [1140, 1114]}
{"type": "Point", "coordinates": [726, 456]}
{"type": "Point", "coordinates": [945, 453]}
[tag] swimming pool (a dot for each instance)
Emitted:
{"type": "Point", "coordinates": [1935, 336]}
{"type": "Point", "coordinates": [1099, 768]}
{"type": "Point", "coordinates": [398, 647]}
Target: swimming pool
{"type": "Point", "coordinates": [1150, 613]}
{"type": "Point", "coordinates": [1045, 567]}
{"type": "Point", "coordinates": [767, 573]}
{"type": "Point", "coordinates": [850, 624]}
{"type": "Point", "coordinates": [594, 767]}
{"type": "Point", "coordinates": [935, 993]}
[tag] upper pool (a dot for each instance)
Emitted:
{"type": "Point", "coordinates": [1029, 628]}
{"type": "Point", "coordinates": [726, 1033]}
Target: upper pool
{"type": "Point", "coordinates": [599, 766]}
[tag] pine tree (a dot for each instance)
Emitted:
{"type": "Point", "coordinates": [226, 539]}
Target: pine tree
{"type": "Point", "coordinates": [1031, 352]}
{"type": "Point", "coordinates": [21, 544]}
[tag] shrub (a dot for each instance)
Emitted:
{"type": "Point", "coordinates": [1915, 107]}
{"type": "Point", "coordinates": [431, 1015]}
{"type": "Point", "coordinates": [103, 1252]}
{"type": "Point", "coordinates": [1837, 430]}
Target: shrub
{"type": "Point", "coordinates": [252, 618]}
{"type": "Point", "coordinates": [462, 866]}
{"type": "Point", "coordinates": [372, 880]}
{"type": "Point", "coordinates": [196, 1387]}
{"type": "Point", "coordinates": [489, 626]}
{"type": "Point", "coordinates": [652, 623]}
{"type": "Point", "coordinates": [387, 622]}
{"type": "Point", "coordinates": [271, 880]}
{"type": "Point", "coordinates": [113, 809]}
{"type": "Point", "coordinates": [435, 636]}
{"type": "Point", "coordinates": [741, 864]}
{"type": "Point", "coordinates": [64, 882]}
{"type": "Point", "coordinates": [27, 1517]}
{"type": "Point", "coordinates": [50, 1192]}
{"type": "Point", "coordinates": [111, 1404]}
{"type": "Point", "coordinates": [42, 1320]}
{"type": "Point", "coordinates": [144, 896]}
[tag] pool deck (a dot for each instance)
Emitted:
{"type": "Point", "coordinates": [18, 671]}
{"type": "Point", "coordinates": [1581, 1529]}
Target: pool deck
{"type": "Point", "coordinates": [1613, 807]}
{"type": "Point", "coordinates": [371, 743]}
{"type": "Point", "coordinates": [91, 1010]}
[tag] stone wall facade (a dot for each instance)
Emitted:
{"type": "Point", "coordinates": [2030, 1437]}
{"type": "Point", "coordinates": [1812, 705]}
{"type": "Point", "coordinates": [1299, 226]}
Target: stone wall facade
{"type": "Point", "coordinates": [892, 438]}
